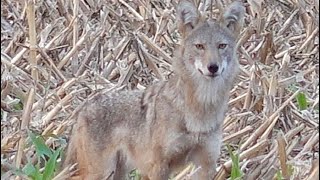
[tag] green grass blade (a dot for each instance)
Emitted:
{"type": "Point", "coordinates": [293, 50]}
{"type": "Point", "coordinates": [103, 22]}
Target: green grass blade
{"type": "Point", "coordinates": [279, 175]}
{"type": "Point", "coordinates": [51, 165]}
{"type": "Point", "coordinates": [236, 172]}
{"type": "Point", "coordinates": [38, 175]}
{"type": "Point", "coordinates": [302, 101]}
{"type": "Point", "coordinates": [29, 169]}
{"type": "Point", "coordinates": [40, 146]}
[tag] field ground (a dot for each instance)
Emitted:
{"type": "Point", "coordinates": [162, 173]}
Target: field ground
{"type": "Point", "coordinates": [53, 60]}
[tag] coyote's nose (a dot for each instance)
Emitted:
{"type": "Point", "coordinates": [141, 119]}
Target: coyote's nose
{"type": "Point", "coordinates": [213, 68]}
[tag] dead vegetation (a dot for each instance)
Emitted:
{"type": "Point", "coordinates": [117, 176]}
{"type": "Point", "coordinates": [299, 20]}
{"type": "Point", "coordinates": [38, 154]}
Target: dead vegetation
{"type": "Point", "coordinates": [54, 54]}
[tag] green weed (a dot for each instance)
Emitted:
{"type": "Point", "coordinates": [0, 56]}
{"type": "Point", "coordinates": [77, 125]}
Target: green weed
{"type": "Point", "coordinates": [46, 164]}
{"type": "Point", "coordinates": [236, 173]}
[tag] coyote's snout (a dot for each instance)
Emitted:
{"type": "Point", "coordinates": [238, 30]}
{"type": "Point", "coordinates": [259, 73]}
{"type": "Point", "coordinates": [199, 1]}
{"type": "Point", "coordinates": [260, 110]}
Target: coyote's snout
{"type": "Point", "coordinates": [171, 123]}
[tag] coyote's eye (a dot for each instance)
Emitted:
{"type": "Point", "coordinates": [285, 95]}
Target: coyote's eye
{"type": "Point", "coordinates": [200, 46]}
{"type": "Point", "coordinates": [222, 46]}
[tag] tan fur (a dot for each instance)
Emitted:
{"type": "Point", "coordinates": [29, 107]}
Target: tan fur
{"type": "Point", "coordinates": [170, 123]}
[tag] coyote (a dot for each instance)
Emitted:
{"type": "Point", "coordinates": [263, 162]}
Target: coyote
{"type": "Point", "coordinates": [171, 123]}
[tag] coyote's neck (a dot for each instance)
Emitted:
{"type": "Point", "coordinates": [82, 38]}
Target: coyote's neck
{"type": "Point", "coordinates": [199, 96]}
{"type": "Point", "coordinates": [202, 103]}
{"type": "Point", "coordinates": [206, 94]}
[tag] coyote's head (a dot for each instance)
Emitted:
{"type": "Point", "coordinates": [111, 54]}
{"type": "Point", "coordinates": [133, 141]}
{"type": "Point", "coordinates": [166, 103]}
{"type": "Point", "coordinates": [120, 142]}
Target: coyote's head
{"type": "Point", "coordinates": [208, 48]}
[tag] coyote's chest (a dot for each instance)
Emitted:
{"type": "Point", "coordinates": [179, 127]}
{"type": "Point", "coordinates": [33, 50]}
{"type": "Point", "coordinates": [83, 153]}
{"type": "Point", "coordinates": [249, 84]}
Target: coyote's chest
{"type": "Point", "coordinates": [200, 138]}
{"type": "Point", "coordinates": [205, 124]}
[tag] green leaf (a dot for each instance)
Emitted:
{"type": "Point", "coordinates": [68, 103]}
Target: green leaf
{"type": "Point", "coordinates": [279, 175]}
{"type": "Point", "coordinates": [302, 101]}
{"type": "Point", "coordinates": [134, 175]}
{"type": "Point", "coordinates": [37, 175]}
{"type": "Point", "coordinates": [290, 169]}
{"type": "Point", "coordinates": [29, 169]}
{"type": "Point", "coordinates": [236, 172]}
{"type": "Point", "coordinates": [18, 106]}
{"type": "Point", "coordinates": [41, 147]}
{"type": "Point", "coordinates": [33, 172]}
{"type": "Point", "coordinates": [51, 165]}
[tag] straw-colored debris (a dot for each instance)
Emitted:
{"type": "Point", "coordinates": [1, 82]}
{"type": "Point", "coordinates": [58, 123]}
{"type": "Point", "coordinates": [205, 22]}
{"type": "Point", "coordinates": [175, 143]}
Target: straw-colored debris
{"type": "Point", "coordinates": [54, 54]}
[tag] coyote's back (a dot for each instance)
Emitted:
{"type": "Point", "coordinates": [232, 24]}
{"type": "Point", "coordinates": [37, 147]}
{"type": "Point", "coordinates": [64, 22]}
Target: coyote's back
{"type": "Point", "coordinates": [170, 123]}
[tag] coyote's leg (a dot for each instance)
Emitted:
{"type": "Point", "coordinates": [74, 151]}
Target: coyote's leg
{"type": "Point", "coordinates": [122, 169]}
{"type": "Point", "coordinates": [93, 162]}
{"type": "Point", "coordinates": [206, 156]}
{"type": "Point", "coordinates": [159, 168]}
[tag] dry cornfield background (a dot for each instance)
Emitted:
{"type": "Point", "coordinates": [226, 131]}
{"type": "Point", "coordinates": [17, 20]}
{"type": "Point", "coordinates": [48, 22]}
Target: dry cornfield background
{"type": "Point", "coordinates": [56, 53]}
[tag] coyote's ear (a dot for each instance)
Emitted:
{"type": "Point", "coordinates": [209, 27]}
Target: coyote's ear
{"type": "Point", "coordinates": [188, 16]}
{"type": "Point", "coordinates": [233, 17]}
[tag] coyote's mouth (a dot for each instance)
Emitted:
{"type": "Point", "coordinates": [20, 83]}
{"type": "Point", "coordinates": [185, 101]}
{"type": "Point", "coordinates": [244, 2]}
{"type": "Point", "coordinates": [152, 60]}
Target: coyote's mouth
{"type": "Point", "coordinates": [200, 71]}
{"type": "Point", "coordinates": [208, 75]}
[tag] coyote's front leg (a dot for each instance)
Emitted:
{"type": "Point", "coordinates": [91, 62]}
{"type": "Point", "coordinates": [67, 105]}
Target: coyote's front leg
{"type": "Point", "coordinates": [206, 156]}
